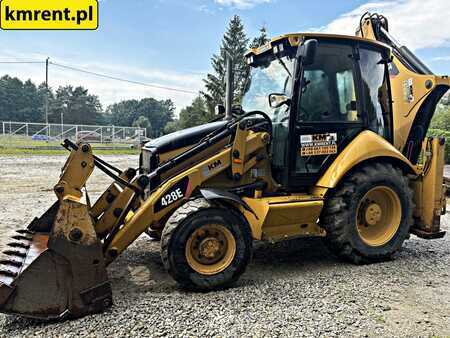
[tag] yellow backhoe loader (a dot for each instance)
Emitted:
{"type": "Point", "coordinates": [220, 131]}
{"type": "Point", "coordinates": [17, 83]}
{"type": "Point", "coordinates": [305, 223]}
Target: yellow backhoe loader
{"type": "Point", "coordinates": [329, 141]}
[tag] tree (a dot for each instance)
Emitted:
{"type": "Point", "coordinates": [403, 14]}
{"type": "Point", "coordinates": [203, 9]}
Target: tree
{"type": "Point", "coordinates": [441, 118]}
{"type": "Point", "coordinates": [21, 101]}
{"type": "Point", "coordinates": [440, 125]}
{"type": "Point", "coordinates": [158, 113]}
{"type": "Point", "coordinates": [76, 105]}
{"type": "Point", "coordinates": [172, 127]}
{"type": "Point", "coordinates": [260, 40]}
{"type": "Point", "coordinates": [123, 113]}
{"type": "Point", "coordinates": [143, 122]}
{"type": "Point", "coordinates": [235, 44]}
{"type": "Point", "coordinates": [194, 114]}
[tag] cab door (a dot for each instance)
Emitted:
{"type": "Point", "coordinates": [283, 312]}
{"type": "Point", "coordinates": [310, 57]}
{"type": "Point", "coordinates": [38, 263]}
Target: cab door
{"type": "Point", "coordinates": [327, 111]}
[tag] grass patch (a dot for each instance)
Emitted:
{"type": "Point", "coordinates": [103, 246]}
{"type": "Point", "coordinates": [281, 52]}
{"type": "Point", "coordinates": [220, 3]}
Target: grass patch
{"type": "Point", "coordinates": [20, 141]}
{"type": "Point", "coordinates": [24, 146]}
{"type": "Point", "coordinates": [63, 152]}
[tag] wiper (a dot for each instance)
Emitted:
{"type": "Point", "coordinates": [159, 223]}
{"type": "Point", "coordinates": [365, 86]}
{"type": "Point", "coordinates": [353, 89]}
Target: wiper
{"type": "Point", "coordinates": [284, 65]}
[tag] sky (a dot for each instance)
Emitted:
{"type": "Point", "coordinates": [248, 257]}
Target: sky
{"type": "Point", "coordinates": [170, 42]}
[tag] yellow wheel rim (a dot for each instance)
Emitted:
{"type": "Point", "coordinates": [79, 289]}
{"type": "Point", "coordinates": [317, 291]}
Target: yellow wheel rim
{"type": "Point", "coordinates": [210, 249]}
{"type": "Point", "coordinates": [378, 216]}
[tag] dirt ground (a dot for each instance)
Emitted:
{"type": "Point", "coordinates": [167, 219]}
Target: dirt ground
{"type": "Point", "coordinates": [293, 289]}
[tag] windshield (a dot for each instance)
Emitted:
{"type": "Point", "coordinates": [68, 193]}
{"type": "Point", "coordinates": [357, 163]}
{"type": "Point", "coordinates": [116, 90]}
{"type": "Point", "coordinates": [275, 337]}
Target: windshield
{"type": "Point", "coordinates": [275, 76]}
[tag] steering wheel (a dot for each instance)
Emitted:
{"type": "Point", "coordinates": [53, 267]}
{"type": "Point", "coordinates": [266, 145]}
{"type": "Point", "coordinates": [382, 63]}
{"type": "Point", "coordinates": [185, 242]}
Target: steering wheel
{"type": "Point", "coordinates": [260, 113]}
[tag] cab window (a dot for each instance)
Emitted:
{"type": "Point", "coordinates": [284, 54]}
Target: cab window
{"type": "Point", "coordinates": [329, 91]}
{"type": "Point", "coordinates": [375, 87]}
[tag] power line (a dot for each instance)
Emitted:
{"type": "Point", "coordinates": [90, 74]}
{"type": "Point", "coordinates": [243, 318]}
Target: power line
{"type": "Point", "coordinates": [124, 80]}
{"type": "Point", "coordinates": [4, 62]}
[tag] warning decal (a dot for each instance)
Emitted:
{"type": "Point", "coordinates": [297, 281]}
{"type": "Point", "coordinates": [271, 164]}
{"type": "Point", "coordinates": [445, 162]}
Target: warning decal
{"type": "Point", "coordinates": [318, 144]}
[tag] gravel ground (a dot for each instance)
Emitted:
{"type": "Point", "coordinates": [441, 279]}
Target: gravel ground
{"type": "Point", "coordinates": [291, 289]}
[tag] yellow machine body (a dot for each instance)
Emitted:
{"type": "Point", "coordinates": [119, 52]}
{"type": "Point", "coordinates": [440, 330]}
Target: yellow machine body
{"type": "Point", "coordinates": [228, 168]}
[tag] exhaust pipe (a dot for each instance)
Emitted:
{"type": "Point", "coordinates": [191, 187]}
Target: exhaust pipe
{"type": "Point", "coordinates": [229, 89]}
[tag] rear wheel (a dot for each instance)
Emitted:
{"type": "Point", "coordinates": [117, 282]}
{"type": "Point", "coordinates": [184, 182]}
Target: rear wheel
{"type": "Point", "coordinates": [368, 216]}
{"type": "Point", "coordinates": [205, 246]}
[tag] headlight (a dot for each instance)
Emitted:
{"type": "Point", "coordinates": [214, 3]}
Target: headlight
{"type": "Point", "coordinates": [146, 161]}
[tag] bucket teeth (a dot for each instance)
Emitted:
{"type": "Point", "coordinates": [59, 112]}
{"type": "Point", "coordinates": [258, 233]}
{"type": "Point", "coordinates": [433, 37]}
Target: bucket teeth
{"type": "Point", "coordinates": [10, 262]}
{"type": "Point", "coordinates": [18, 245]}
{"type": "Point", "coordinates": [25, 232]}
{"type": "Point", "coordinates": [8, 273]}
{"type": "Point", "coordinates": [15, 253]}
{"type": "Point", "coordinates": [23, 237]}
{"type": "Point", "coordinates": [44, 275]}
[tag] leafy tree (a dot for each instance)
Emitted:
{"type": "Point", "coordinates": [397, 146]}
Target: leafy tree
{"type": "Point", "coordinates": [172, 127]}
{"type": "Point", "coordinates": [143, 122]}
{"type": "Point", "coordinates": [260, 40]}
{"type": "Point", "coordinates": [158, 113]}
{"type": "Point", "coordinates": [21, 101]}
{"type": "Point", "coordinates": [441, 119]}
{"type": "Point", "coordinates": [440, 125]}
{"type": "Point", "coordinates": [446, 99]}
{"type": "Point", "coordinates": [195, 114]}
{"type": "Point", "coordinates": [77, 105]}
{"type": "Point", "coordinates": [123, 113]}
{"type": "Point", "coordinates": [235, 44]}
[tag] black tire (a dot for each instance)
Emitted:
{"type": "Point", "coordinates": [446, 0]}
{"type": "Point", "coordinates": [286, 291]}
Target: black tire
{"type": "Point", "coordinates": [183, 223]}
{"type": "Point", "coordinates": [339, 216]}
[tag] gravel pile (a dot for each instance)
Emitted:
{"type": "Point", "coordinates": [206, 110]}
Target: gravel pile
{"type": "Point", "coordinates": [290, 289]}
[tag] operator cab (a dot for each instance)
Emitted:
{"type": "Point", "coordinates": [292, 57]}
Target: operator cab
{"type": "Point", "coordinates": [319, 96]}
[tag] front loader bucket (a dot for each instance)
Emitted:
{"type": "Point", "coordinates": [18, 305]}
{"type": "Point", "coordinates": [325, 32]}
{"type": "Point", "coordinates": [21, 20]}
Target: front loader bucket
{"type": "Point", "coordinates": [55, 267]}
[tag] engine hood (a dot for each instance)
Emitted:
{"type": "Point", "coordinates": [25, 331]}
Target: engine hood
{"type": "Point", "coordinates": [182, 138]}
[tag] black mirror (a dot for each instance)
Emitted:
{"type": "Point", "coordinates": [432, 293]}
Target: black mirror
{"type": "Point", "coordinates": [219, 109]}
{"type": "Point", "coordinates": [277, 100]}
{"type": "Point", "coordinates": [307, 52]}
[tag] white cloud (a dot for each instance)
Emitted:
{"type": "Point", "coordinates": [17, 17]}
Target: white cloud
{"type": "Point", "coordinates": [415, 23]}
{"type": "Point", "coordinates": [109, 91]}
{"type": "Point", "coordinates": [241, 4]}
{"type": "Point", "coordinates": [441, 58]}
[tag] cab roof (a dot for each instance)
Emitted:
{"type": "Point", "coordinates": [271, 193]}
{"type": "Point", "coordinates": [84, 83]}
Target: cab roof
{"type": "Point", "coordinates": [294, 39]}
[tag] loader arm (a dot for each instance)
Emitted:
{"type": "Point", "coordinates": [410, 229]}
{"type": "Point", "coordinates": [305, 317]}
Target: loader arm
{"type": "Point", "coordinates": [175, 191]}
{"type": "Point", "coordinates": [69, 247]}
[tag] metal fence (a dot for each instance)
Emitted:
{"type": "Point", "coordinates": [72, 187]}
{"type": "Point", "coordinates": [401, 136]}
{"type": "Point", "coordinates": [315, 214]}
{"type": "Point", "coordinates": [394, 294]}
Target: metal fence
{"type": "Point", "coordinates": [90, 133]}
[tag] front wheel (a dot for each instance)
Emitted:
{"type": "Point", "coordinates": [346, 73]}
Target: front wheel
{"type": "Point", "coordinates": [205, 246]}
{"type": "Point", "coordinates": [368, 216]}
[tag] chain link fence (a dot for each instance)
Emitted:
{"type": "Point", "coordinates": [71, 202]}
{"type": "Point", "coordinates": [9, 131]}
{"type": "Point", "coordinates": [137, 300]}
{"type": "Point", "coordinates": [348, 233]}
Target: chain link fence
{"type": "Point", "coordinates": [57, 132]}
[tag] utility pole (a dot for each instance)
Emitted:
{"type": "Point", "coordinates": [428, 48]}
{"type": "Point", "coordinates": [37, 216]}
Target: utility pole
{"type": "Point", "coordinates": [46, 97]}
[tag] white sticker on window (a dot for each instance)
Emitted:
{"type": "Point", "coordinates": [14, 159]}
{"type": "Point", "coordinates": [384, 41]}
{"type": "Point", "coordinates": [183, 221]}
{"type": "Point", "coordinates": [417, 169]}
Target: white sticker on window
{"type": "Point", "coordinates": [318, 144]}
